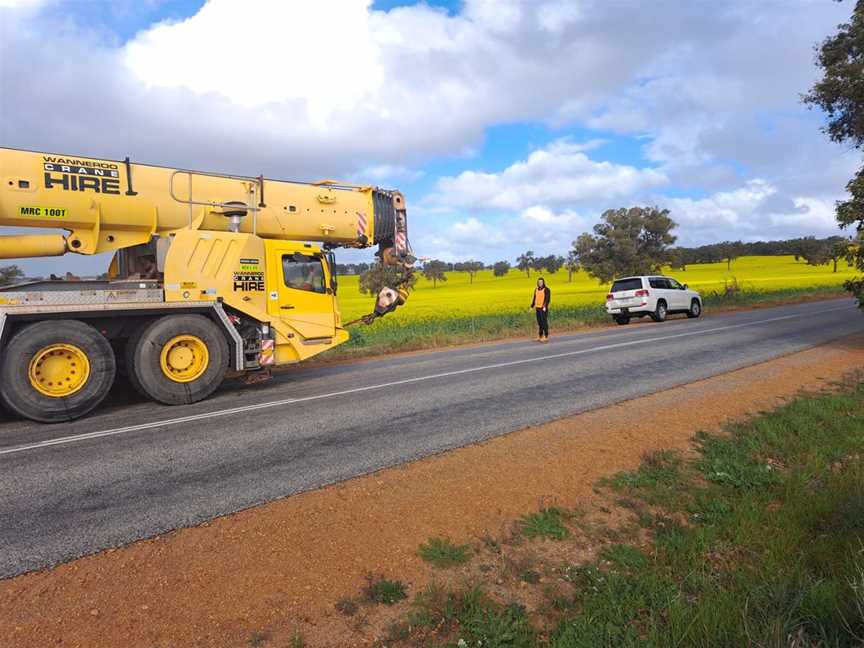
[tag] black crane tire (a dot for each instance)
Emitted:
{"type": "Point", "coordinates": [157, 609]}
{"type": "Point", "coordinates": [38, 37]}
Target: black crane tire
{"type": "Point", "coordinates": [55, 371]}
{"type": "Point", "coordinates": [178, 359]}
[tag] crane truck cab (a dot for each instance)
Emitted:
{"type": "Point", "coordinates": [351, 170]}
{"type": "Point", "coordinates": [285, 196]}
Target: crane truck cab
{"type": "Point", "coordinates": [212, 275]}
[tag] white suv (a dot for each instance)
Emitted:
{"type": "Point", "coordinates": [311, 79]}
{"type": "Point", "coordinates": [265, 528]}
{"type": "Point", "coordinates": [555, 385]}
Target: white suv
{"type": "Point", "coordinates": [654, 296]}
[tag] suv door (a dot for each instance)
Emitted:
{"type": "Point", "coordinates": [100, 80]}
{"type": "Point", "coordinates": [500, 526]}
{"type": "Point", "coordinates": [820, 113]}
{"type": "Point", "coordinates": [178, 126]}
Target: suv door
{"type": "Point", "coordinates": [679, 294]}
{"type": "Point", "coordinates": [304, 297]}
{"type": "Point", "coordinates": [660, 290]}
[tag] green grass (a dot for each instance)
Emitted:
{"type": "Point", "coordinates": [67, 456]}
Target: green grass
{"type": "Point", "coordinates": [477, 619]}
{"type": "Point", "coordinates": [443, 553]}
{"type": "Point", "coordinates": [388, 592]}
{"type": "Point", "coordinates": [757, 540]}
{"type": "Point", "coordinates": [497, 307]}
{"type": "Point", "coordinates": [775, 522]}
{"type": "Point", "coordinates": [548, 523]}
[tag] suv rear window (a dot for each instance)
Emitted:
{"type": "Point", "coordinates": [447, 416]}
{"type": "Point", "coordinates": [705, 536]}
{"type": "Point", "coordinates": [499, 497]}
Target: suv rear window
{"type": "Point", "coordinates": [627, 284]}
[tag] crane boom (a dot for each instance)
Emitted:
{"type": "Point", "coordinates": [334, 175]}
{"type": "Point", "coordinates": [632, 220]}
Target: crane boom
{"type": "Point", "coordinates": [108, 205]}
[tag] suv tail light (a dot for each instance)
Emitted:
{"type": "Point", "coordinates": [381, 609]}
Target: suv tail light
{"type": "Point", "coordinates": [641, 293]}
{"type": "Point", "coordinates": [610, 297]}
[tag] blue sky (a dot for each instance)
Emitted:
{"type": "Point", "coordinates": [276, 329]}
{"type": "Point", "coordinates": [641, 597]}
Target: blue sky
{"type": "Point", "coordinates": [509, 124]}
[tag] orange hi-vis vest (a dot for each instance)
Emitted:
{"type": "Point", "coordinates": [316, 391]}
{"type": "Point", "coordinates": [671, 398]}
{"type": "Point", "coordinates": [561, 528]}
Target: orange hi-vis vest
{"type": "Point", "coordinates": [540, 298]}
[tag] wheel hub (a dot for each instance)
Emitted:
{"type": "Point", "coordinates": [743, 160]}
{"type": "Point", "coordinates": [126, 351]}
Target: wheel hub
{"type": "Point", "coordinates": [59, 370]}
{"type": "Point", "coordinates": [184, 358]}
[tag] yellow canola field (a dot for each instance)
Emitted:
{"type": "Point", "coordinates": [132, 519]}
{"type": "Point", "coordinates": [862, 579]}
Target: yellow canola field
{"type": "Point", "coordinates": [489, 294]}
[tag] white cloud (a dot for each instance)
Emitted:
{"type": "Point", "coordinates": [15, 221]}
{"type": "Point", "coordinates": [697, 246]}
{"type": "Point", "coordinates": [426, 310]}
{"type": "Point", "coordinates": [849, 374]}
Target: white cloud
{"type": "Point", "coordinates": [319, 54]}
{"type": "Point", "coordinates": [21, 4]}
{"type": "Point", "coordinates": [558, 175]}
{"type": "Point", "coordinates": [541, 229]}
{"type": "Point", "coordinates": [754, 211]}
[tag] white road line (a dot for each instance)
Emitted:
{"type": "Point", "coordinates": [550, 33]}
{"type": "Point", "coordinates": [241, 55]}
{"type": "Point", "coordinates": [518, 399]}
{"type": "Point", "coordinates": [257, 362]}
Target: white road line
{"type": "Point", "coordinates": [406, 381]}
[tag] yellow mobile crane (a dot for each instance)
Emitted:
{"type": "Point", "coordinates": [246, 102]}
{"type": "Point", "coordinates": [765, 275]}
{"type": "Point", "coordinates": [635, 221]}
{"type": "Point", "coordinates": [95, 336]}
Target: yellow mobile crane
{"type": "Point", "coordinates": [211, 274]}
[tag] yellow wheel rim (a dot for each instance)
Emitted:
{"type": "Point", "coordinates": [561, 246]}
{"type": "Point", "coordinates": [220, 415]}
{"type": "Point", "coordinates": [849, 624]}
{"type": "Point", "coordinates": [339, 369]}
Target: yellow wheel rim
{"type": "Point", "coordinates": [184, 358]}
{"type": "Point", "coordinates": [59, 370]}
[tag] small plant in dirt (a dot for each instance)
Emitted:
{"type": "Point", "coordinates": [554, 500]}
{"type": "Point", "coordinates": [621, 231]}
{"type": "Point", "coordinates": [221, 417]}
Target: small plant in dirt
{"type": "Point", "coordinates": [347, 606]}
{"type": "Point", "coordinates": [258, 638]}
{"type": "Point", "coordinates": [470, 617]}
{"type": "Point", "coordinates": [530, 576]}
{"type": "Point", "coordinates": [491, 544]}
{"type": "Point", "coordinates": [382, 590]}
{"type": "Point", "coordinates": [398, 631]}
{"type": "Point", "coordinates": [547, 523]}
{"type": "Point", "coordinates": [443, 553]}
{"type": "Point", "coordinates": [297, 642]}
{"type": "Point", "coordinates": [624, 556]}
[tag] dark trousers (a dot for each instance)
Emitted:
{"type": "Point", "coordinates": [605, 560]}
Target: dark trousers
{"type": "Point", "coordinates": [542, 322]}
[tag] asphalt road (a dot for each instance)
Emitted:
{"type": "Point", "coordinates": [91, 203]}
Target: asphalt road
{"type": "Point", "coordinates": [136, 469]}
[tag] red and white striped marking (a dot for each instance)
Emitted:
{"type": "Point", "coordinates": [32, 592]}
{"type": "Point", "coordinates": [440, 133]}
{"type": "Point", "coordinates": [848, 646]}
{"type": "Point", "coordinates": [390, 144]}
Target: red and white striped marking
{"type": "Point", "coordinates": [361, 224]}
{"type": "Point", "coordinates": [401, 242]}
{"type": "Point", "coordinates": [268, 353]}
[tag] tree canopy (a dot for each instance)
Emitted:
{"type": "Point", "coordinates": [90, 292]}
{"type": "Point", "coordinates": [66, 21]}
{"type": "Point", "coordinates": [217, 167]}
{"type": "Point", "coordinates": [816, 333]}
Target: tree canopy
{"type": "Point", "coordinates": [471, 267]}
{"type": "Point", "coordinates": [830, 250]}
{"type": "Point", "coordinates": [526, 261]}
{"type": "Point", "coordinates": [840, 94]}
{"type": "Point", "coordinates": [627, 241]}
{"type": "Point", "coordinates": [10, 274]}
{"type": "Point", "coordinates": [434, 271]}
{"type": "Point", "coordinates": [500, 268]}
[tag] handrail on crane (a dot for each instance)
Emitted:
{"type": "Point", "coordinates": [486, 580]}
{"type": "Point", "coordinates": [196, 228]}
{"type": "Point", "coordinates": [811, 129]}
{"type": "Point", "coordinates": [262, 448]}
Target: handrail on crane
{"type": "Point", "coordinates": [255, 205]}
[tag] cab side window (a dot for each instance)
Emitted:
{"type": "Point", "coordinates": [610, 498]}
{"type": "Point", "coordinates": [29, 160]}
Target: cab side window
{"type": "Point", "coordinates": [674, 285]}
{"type": "Point", "coordinates": [303, 272]}
{"type": "Point", "coordinates": [657, 282]}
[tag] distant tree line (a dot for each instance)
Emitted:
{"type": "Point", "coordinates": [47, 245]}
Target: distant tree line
{"type": "Point", "coordinates": [809, 249]}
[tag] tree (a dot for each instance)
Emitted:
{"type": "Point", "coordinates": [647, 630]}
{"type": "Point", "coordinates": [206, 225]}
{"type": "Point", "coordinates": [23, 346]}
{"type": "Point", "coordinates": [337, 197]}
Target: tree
{"type": "Point", "coordinates": [434, 271]}
{"type": "Point", "coordinates": [830, 250]}
{"type": "Point", "coordinates": [501, 268]}
{"type": "Point", "coordinates": [9, 275]}
{"type": "Point", "coordinates": [731, 250]}
{"type": "Point", "coordinates": [838, 248]}
{"type": "Point", "coordinates": [471, 267]}
{"type": "Point", "coordinates": [379, 276]}
{"type": "Point", "coordinates": [630, 241]}
{"type": "Point", "coordinates": [679, 258]}
{"type": "Point", "coordinates": [551, 263]}
{"type": "Point", "coordinates": [805, 248]}
{"type": "Point", "coordinates": [572, 263]}
{"type": "Point", "coordinates": [526, 261]}
{"type": "Point", "coordinates": [840, 94]}
{"type": "Point", "coordinates": [538, 264]}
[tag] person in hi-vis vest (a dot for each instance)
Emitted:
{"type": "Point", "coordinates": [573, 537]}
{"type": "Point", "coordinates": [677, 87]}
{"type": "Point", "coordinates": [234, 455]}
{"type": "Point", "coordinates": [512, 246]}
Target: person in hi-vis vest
{"type": "Point", "coordinates": [540, 304]}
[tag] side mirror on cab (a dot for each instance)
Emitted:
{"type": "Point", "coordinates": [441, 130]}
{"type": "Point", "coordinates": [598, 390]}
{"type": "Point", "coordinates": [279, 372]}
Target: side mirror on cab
{"type": "Point", "coordinates": [684, 287]}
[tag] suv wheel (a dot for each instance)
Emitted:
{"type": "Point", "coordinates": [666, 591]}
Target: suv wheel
{"type": "Point", "coordinates": [621, 319]}
{"type": "Point", "coordinates": [695, 309]}
{"type": "Point", "coordinates": [659, 315]}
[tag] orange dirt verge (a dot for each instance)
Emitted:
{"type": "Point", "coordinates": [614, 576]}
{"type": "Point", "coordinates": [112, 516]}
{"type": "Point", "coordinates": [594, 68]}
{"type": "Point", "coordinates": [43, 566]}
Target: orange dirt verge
{"type": "Point", "coordinates": [279, 568]}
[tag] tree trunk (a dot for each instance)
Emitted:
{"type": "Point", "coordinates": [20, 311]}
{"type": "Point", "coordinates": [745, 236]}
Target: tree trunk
{"type": "Point", "coordinates": [835, 264]}
{"type": "Point", "coordinates": [728, 264]}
